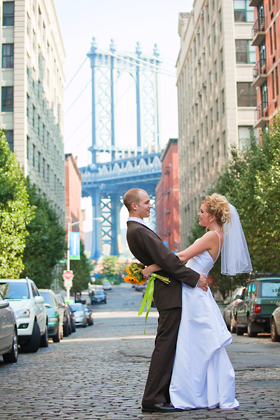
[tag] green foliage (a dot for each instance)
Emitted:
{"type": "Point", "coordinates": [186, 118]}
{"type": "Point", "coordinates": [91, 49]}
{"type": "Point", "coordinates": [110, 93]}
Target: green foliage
{"type": "Point", "coordinates": [110, 267]}
{"type": "Point", "coordinates": [45, 245]}
{"type": "Point", "coordinates": [81, 270]}
{"type": "Point", "coordinates": [15, 212]}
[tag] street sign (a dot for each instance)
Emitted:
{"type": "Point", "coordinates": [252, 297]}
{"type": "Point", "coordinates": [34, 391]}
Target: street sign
{"type": "Point", "coordinates": [68, 283]}
{"type": "Point", "coordinates": [68, 274]}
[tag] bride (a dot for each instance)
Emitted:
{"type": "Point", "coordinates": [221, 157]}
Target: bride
{"type": "Point", "coordinates": [203, 376]}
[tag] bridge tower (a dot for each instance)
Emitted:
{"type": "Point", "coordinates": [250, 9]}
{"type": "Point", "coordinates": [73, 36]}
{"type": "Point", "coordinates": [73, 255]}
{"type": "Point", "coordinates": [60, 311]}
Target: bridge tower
{"type": "Point", "coordinates": [106, 68]}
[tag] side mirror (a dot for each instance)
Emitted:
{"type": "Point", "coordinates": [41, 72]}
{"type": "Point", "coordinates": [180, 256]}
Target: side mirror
{"type": "Point", "coordinates": [47, 305]}
{"type": "Point", "coordinates": [39, 299]}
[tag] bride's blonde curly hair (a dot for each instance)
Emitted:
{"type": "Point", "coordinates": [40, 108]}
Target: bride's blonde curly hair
{"type": "Point", "coordinates": [218, 206]}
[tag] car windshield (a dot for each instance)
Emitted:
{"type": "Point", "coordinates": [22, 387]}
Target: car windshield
{"type": "Point", "coordinates": [77, 307]}
{"type": "Point", "coordinates": [99, 292]}
{"type": "Point", "coordinates": [47, 298]}
{"type": "Point", "coordinates": [15, 290]}
{"type": "Point", "coordinates": [270, 289]}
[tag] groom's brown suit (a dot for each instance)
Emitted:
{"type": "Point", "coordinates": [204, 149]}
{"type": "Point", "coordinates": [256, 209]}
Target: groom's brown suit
{"type": "Point", "coordinates": [148, 248]}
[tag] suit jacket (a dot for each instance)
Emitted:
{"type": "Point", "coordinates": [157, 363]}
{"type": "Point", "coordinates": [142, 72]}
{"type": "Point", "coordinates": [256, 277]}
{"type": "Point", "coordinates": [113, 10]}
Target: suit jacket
{"type": "Point", "coordinates": [148, 248]}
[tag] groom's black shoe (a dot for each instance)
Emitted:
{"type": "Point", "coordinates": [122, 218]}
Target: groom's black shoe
{"type": "Point", "coordinates": [161, 408]}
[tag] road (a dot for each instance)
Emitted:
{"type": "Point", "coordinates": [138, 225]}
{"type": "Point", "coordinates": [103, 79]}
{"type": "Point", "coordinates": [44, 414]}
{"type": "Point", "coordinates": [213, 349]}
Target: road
{"type": "Point", "coordinates": [99, 372]}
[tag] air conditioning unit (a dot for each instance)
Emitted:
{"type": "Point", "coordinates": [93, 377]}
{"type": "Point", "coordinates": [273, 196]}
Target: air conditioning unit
{"type": "Point", "coordinates": [203, 85]}
{"type": "Point", "coordinates": [197, 31]}
{"type": "Point", "coordinates": [199, 61]}
{"type": "Point", "coordinates": [193, 139]}
{"type": "Point", "coordinates": [202, 13]}
{"type": "Point", "coordinates": [216, 160]}
{"type": "Point", "coordinates": [199, 93]}
{"type": "Point", "coordinates": [203, 50]}
{"type": "Point", "coordinates": [195, 102]}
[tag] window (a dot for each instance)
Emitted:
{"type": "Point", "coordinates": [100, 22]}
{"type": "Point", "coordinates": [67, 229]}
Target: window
{"type": "Point", "coordinates": [264, 96]}
{"type": "Point", "coordinates": [8, 56]}
{"type": "Point", "coordinates": [273, 85]}
{"type": "Point", "coordinates": [214, 33]}
{"type": "Point", "coordinates": [48, 173]}
{"type": "Point", "coordinates": [217, 110]}
{"type": "Point", "coordinates": [271, 42]}
{"type": "Point", "coordinates": [275, 39]}
{"type": "Point", "coordinates": [209, 45]}
{"type": "Point", "coordinates": [8, 13]}
{"type": "Point", "coordinates": [44, 130]}
{"type": "Point", "coordinates": [39, 124]}
{"type": "Point", "coordinates": [244, 52]}
{"type": "Point", "coordinates": [197, 139]}
{"type": "Point", "coordinates": [10, 139]}
{"type": "Point", "coordinates": [218, 147]}
{"type": "Point", "coordinates": [216, 71]}
{"type": "Point", "coordinates": [246, 95]}
{"type": "Point", "coordinates": [7, 98]}
{"type": "Point", "coordinates": [212, 156]}
{"type": "Point", "coordinates": [276, 76]}
{"type": "Point", "coordinates": [39, 162]}
{"type": "Point", "coordinates": [203, 168]}
{"type": "Point", "coordinates": [198, 171]}
{"type": "Point", "coordinates": [223, 101]}
{"type": "Point", "coordinates": [34, 157]}
{"type": "Point", "coordinates": [206, 126]}
{"type": "Point", "coordinates": [33, 116]}
{"type": "Point", "coordinates": [244, 134]}
{"type": "Point", "coordinates": [222, 60]}
{"type": "Point", "coordinates": [44, 168]}
{"type": "Point", "coordinates": [207, 161]}
{"type": "Point", "coordinates": [210, 81]}
{"type": "Point", "coordinates": [27, 106]}
{"type": "Point", "coordinates": [211, 113]}
{"type": "Point", "coordinates": [27, 147]}
{"type": "Point", "coordinates": [225, 143]}
{"type": "Point", "coordinates": [220, 20]}
{"type": "Point", "coordinates": [242, 11]}
{"type": "Point", "coordinates": [48, 140]}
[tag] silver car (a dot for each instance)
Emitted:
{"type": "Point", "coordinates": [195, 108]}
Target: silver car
{"type": "Point", "coordinates": [229, 312]}
{"type": "Point", "coordinates": [80, 315]}
{"type": "Point", "coordinates": [8, 332]}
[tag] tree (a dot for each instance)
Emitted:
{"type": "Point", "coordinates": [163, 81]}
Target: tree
{"type": "Point", "coordinates": [110, 267]}
{"type": "Point", "coordinates": [81, 269]}
{"type": "Point", "coordinates": [45, 245]}
{"type": "Point", "coordinates": [15, 212]}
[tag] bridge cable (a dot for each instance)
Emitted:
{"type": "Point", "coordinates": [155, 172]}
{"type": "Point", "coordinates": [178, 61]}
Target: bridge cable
{"type": "Point", "coordinates": [78, 97]}
{"type": "Point", "coordinates": [76, 73]}
{"type": "Point", "coordinates": [78, 127]}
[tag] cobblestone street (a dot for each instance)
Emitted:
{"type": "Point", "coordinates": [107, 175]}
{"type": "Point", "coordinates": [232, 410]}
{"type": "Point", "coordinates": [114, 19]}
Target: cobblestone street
{"type": "Point", "coordinates": [99, 372]}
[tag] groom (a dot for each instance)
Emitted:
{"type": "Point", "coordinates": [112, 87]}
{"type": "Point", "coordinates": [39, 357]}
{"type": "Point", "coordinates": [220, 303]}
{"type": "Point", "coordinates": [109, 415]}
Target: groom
{"type": "Point", "coordinates": [148, 248]}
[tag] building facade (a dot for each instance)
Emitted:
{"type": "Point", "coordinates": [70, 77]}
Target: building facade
{"type": "Point", "coordinates": [167, 198]}
{"type": "Point", "coordinates": [216, 99]}
{"type": "Point", "coordinates": [266, 39]}
{"type": "Point", "coordinates": [73, 195]}
{"type": "Point", "coordinates": [32, 85]}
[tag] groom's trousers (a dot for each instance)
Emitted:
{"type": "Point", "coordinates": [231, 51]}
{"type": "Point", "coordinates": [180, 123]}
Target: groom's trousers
{"type": "Point", "coordinates": [159, 377]}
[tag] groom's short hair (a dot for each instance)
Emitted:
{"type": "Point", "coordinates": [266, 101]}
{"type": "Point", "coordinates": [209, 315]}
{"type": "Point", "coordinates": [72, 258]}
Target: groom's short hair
{"type": "Point", "coordinates": [131, 196]}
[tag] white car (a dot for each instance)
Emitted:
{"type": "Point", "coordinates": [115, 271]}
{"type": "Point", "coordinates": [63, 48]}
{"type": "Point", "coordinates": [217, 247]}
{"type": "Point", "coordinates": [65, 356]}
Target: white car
{"type": "Point", "coordinates": [8, 332]}
{"type": "Point", "coordinates": [30, 312]}
{"type": "Point", "coordinates": [107, 285]}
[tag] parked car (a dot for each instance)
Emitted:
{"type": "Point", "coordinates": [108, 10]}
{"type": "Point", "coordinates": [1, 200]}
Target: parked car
{"type": "Point", "coordinates": [80, 315]}
{"type": "Point", "coordinates": [55, 314]}
{"type": "Point", "coordinates": [88, 315]}
{"type": "Point", "coordinates": [72, 318]}
{"type": "Point", "coordinates": [230, 309]}
{"type": "Point", "coordinates": [8, 332]}
{"type": "Point", "coordinates": [98, 296]}
{"type": "Point", "coordinates": [30, 312]}
{"type": "Point", "coordinates": [260, 298]}
{"type": "Point", "coordinates": [107, 285]}
{"type": "Point", "coordinates": [67, 330]}
{"type": "Point", "coordinates": [275, 324]}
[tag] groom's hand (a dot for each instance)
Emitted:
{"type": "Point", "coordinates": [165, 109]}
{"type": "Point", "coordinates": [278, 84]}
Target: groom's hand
{"type": "Point", "coordinates": [202, 283]}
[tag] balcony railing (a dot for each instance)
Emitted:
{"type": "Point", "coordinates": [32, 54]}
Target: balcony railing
{"type": "Point", "coordinates": [258, 31]}
{"type": "Point", "coordinates": [261, 115]}
{"type": "Point", "coordinates": [259, 72]}
{"type": "Point", "coordinates": [254, 2]}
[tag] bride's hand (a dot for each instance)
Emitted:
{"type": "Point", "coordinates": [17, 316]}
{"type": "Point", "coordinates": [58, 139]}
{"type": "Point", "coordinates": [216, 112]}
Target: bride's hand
{"type": "Point", "coordinates": [202, 283]}
{"type": "Point", "coordinates": [146, 272]}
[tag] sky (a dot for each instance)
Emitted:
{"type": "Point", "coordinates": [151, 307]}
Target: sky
{"type": "Point", "coordinates": [127, 22]}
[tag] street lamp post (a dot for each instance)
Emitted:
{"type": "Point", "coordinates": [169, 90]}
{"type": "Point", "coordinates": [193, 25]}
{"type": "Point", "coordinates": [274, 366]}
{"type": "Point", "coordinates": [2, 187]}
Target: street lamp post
{"type": "Point", "coordinates": [68, 249]}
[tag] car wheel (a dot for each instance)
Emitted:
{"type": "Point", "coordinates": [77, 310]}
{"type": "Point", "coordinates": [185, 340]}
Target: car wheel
{"type": "Point", "coordinates": [249, 329]}
{"type": "Point", "coordinates": [34, 343]}
{"type": "Point", "coordinates": [232, 326]}
{"type": "Point", "coordinates": [274, 334]}
{"type": "Point", "coordinates": [45, 338]}
{"type": "Point", "coordinates": [56, 337]}
{"type": "Point", "coordinates": [73, 326]}
{"type": "Point", "coordinates": [239, 330]}
{"type": "Point", "coordinates": [65, 330]}
{"type": "Point", "coordinates": [13, 355]}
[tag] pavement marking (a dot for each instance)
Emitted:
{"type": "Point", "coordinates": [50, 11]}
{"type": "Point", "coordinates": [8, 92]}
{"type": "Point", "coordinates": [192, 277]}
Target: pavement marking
{"type": "Point", "coordinates": [129, 337]}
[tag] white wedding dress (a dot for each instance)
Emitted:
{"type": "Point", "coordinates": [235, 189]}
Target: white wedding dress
{"type": "Point", "coordinates": [203, 376]}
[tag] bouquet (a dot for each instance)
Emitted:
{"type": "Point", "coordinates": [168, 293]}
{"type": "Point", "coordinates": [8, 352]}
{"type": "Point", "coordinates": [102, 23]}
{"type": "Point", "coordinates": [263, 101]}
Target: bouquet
{"type": "Point", "coordinates": [134, 276]}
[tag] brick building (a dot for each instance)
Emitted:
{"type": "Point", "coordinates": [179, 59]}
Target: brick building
{"type": "Point", "coordinates": [73, 194]}
{"type": "Point", "coordinates": [167, 198]}
{"type": "Point", "coordinates": [266, 39]}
